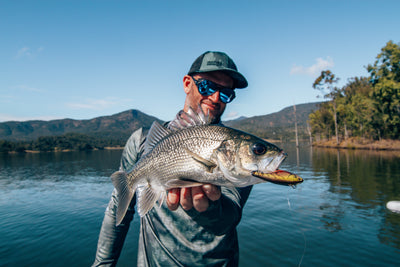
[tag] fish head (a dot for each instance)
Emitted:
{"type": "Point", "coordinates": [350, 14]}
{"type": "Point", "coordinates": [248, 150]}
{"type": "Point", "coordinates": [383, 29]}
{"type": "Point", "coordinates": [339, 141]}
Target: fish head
{"type": "Point", "coordinates": [259, 155]}
{"type": "Point", "coordinates": [239, 158]}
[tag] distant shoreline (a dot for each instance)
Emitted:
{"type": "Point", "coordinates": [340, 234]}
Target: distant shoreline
{"type": "Point", "coordinates": [68, 150]}
{"type": "Point", "coordinates": [360, 143]}
{"type": "Point", "coordinates": [351, 143]}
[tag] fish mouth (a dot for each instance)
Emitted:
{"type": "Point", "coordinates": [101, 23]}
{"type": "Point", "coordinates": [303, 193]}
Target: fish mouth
{"type": "Point", "coordinates": [279, 177]}
{"type": "Point", "coordinates": [272, 165]}
{"type": "Point", "coordinates": [271, 173]}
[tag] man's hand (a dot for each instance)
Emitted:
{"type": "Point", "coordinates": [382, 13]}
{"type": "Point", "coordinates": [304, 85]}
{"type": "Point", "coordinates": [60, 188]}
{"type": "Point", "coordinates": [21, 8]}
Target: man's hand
{"type": "Point", "coordinates": [193, 197]}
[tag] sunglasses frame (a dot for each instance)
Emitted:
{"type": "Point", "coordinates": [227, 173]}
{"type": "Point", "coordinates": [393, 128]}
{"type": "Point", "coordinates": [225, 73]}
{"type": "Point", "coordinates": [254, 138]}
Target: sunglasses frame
{"type": "Point", "coordinates": [207, 88]}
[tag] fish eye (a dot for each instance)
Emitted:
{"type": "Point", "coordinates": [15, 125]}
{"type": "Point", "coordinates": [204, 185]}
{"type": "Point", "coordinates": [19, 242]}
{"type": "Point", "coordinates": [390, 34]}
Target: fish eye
{"type": "Point", "coordinates": [259, 149]}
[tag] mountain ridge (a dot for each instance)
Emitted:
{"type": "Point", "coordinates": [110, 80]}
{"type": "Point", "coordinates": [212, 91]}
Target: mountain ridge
{"type": "Point", "coordinates": [277, 125]}
{"type": "Point", "coordinates": [122, 124]}
{"type": "Point", "coordinates": [119, 124]}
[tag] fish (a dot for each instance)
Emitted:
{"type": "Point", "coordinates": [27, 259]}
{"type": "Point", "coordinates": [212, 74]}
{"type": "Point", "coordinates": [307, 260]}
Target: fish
{"type": "Point", "coordinates": [194, 153]}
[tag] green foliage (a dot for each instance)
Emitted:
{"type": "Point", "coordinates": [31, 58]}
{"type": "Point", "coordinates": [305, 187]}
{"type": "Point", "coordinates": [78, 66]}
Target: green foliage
{"type": "Point", "coordinates": [325, 83]}
{"type": "Point", "coordinates": [385, 77]}
{"type": "Point", "coordinates": [5, 146]}
{"type": "Point", "coordinates": [364, 107]}
{"type": "Point", "coordinates": [8, 146]}
{"type": "Point", "coordinates": [321, 121]}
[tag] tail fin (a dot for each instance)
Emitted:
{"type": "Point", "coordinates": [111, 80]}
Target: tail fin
{"type": "Point", "coordinates": [125, 194]}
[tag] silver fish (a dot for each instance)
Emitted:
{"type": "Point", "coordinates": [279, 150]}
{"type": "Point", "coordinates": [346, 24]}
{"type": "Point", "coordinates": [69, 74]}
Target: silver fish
{"type": "Point", "coordinates": [192, 156]}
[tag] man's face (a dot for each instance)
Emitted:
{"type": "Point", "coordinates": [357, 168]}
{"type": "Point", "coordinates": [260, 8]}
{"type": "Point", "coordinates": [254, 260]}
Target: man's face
{"type": "Point", "coordinates": [211, 104]}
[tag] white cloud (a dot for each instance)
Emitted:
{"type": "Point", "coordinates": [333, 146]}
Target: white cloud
{"type": "Point", "coordinates": [18, 92]}
{"type": "Point", "coordinates": [6, 98]}
{"type": "Point", "coordinates": [30, 89]}
{"type": "Point", "coordinates": [24, 52]}
{"type": "Point", "coordinates": [320, 65]}
{"type": "Point", "coordinates": [28, 52]}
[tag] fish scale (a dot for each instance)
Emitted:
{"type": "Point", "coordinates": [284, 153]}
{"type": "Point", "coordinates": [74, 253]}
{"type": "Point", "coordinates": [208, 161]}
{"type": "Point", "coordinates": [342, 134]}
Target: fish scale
{"type": "Point", "coordinates": [193, 156]}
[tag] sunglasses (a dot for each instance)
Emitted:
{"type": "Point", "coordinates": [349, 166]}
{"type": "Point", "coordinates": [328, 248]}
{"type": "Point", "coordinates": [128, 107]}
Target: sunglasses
{"type": "Point", "coordinates": [206, 88]}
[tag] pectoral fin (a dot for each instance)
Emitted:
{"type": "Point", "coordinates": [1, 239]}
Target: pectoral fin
{"type": "Point", "coordinates": [147, 197]}
{"type": "Point", "coordinates": [124, 196]}
{"type": "Point", "coordinates": [207, 163]}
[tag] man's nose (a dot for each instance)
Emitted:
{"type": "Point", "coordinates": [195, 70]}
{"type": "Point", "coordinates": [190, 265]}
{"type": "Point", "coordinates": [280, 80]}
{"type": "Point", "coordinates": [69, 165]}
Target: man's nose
{"type": "Point", "coordinates": [214, 97]}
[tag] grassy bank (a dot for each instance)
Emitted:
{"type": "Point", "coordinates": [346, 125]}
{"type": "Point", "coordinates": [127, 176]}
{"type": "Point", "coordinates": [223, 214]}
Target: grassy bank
{"type": "Point", "coordinates": [360, 143]}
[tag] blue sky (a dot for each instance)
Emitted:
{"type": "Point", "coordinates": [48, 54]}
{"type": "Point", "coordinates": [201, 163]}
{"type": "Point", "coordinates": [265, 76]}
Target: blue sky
{"type": "Point", "coordinates": [84, 59]}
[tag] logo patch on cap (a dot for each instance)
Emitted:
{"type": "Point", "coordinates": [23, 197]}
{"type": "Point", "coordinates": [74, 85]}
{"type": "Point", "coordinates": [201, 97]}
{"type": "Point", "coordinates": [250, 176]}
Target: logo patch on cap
{"type": "Point", "coordinates": [215, 63]}
{"type": "Point", "coordinates": [218, 61]}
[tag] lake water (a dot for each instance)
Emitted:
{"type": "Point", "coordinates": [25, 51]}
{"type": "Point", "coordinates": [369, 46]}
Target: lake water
{"type": "Point", "coordinates": [52, 206]}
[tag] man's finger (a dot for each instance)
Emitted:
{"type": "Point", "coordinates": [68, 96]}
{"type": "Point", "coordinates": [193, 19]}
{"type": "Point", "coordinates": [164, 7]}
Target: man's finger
{"type": "Point", "coordinates": [212, 192]}
{"type": "Point", "coordinates": [200, 200]}
{"type": "Point", "coordinates": [173, 198]}
{"type": "Point", "coordinates": [186, 198]}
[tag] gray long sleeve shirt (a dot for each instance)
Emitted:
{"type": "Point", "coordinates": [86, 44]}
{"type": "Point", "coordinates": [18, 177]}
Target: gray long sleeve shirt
{"type": "Point", "coordinates": [174, 238]}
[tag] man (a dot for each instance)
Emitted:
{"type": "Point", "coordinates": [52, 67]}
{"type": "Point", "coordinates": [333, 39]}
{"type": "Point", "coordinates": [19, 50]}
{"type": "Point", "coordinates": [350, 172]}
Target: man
{"type": "Point", "coordinates": [196, 226]}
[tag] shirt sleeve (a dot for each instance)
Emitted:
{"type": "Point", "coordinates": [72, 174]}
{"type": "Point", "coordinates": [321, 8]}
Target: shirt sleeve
{"type": "Point", "coordinates": [112, 237]}
{"type": "Point", "coordinates": [224, 214]}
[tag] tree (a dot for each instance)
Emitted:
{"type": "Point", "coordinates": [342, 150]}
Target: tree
{"type": "Point", "coordinates": [385, 79]}
{"type": "Point", "coordinates": [358, 106]}
{"type": "Point", "coordinates": [5, 146]}
{"type": "Point", "coordinates": [321, 121]}
{"type": "Point", "coordinates": [325, 83]}
{"type": "Point", "coordinates": [357, 85]}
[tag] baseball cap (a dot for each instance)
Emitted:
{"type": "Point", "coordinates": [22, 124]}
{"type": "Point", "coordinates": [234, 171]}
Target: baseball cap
{"type": "Point", "coordinates": [218, 61]}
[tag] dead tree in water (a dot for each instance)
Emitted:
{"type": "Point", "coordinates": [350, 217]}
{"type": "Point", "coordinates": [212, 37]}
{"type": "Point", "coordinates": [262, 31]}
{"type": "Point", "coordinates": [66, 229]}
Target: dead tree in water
{"type": "Point", "coordinates": [295, 126]}
{"type": "Point", "coordinates": [309, 132]}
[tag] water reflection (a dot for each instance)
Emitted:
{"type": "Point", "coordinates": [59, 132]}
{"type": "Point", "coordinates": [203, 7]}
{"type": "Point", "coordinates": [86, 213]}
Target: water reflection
{"type": "Point", "coordinates": [365, 180]}
{"type": "Point", "coordinates": [353, 188]}
{"type": "Point", "coordinates": [57, 167]}
{"type": "Point", "coordinates": [372, 175]}
{"type": "Point", "coordinates": [52, 205]}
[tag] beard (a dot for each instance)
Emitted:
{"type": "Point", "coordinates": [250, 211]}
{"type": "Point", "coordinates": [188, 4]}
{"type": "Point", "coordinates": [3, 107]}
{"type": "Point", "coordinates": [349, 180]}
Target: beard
{"type": "Point", "coordinates": [214, 115]}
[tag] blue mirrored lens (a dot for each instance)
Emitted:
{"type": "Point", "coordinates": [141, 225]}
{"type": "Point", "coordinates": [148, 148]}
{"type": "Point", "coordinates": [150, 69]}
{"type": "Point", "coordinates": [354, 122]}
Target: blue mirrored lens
{"type": "Point", "coordinates": [207, 88]}
{"type": "Point", "coordinates": [224, 98]}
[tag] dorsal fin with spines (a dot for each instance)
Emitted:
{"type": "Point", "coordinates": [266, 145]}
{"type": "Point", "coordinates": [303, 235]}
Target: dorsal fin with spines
{"type": "Point", "coordinates": [156, 133]}
{"type": "Point", "coordinates": [190, 118]}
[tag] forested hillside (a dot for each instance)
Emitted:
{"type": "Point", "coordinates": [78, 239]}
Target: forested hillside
{"type": "Point", "coordinates": [279, 125]}
{"type": "Point", "coordinates": [114, 130]}
{"type": "Point", "coordinates": [69, 134]}
{"type": "Point", "coordinates": [117, 126]}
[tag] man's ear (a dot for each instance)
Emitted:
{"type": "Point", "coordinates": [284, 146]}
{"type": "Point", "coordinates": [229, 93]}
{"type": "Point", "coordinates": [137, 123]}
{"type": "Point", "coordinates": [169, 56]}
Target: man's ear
{"type": "Point", "coordinates": [187, 80]}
